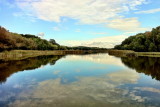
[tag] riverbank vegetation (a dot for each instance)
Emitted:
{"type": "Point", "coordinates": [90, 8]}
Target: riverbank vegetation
{"type": "Point", "coordinates": [142, 42]}
{"type": "Point", "coordinates": [15, 41]}
{"type": "Point", "coordinates": [23, 54]}
{"type": "Point", "coordinates": [131, 53]}
{"type": "Point", "coordinates": [10, 41]}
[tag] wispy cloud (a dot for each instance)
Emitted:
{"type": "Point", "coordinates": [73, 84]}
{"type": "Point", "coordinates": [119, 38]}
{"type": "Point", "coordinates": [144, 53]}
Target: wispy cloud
{"type": "Point", "coordinates": [148, 11]}
{"type": "Point", "coordinates": [98, 33]}
{"type": "Point", "coordinates": [56, 28]}
{"type": "Point", "coordinates": [126, 24]}
{"type": "Point", "coordinates": [149, 89]}
{"type": "Point", "coordinates": [86, 12]}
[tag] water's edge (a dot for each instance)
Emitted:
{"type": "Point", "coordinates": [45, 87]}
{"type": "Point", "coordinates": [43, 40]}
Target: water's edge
{"type": "Point", "coordinates": [23, 54]}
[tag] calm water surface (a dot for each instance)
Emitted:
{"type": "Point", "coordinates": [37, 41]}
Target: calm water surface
{"type": "Point", "coordinates": [96, 80]}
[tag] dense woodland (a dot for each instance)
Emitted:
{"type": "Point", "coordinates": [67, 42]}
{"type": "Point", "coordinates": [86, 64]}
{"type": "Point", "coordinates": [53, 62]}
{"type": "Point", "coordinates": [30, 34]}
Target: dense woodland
{"type": "Point", "coordinates": [15, 41]}
{"type": "Point", "coordinates": [142, 42]}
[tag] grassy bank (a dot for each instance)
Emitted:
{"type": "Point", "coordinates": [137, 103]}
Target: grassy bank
{"type": "Point", "coordinates": [121, 53]}
{"type": "Point", "coordinates": [23, 54]}
{"type": "Point", "coordinates": [130, 53]}
{"type": "Point", "coordinates": [150, 54]}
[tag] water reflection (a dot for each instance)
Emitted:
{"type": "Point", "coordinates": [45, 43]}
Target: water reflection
{"type": "Point", "coordinates": [98, 58]}
{"type": "Point", "coordinates": [147, 65]}
{"type": "Point", "coordinates": [87, 92]}
{"type": "Point", "coordinates": [97, 80]}
{"type": "Point", "coordinates": [7, 68]}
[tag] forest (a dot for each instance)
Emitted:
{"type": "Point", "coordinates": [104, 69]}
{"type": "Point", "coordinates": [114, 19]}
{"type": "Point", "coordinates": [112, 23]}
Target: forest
{"type": "Point", "coordinates": [142, 42]}
{"type": "Point", "coordinates": [15, 41]}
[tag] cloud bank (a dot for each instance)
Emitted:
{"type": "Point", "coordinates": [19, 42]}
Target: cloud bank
{"type": "Point", "coordinates": [103, 42]}
{"type": "Point", "coordinates": [107, 12]}
{"type": "Point", "coordinates": [127, 24]}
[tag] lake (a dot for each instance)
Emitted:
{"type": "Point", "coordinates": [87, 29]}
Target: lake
{"type": "Point", "coordinates": [94, 80]}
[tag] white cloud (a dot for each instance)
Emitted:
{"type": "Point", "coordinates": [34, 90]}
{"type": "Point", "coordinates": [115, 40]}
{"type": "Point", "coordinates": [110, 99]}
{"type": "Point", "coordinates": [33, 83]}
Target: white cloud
{"type": "Point", "coordinates": [105, 42]}
{"type": "Point", "coordinates": [127, 24]}
{"type": "Point", "coordinates": [135, 3]}
{"type": "Point", "coordinates": [148, 11]}
{"type": "Point", "coordinates": [86, 11]}
{"type": "Point", "coordinates": [41, 34]}
{"type": "Point", "coordinates": [130, 33]}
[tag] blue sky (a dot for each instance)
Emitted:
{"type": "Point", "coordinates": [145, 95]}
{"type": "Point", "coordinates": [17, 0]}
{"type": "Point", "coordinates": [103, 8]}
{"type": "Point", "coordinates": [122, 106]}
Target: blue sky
{"type": "Point", "coordinates": [102, 23]}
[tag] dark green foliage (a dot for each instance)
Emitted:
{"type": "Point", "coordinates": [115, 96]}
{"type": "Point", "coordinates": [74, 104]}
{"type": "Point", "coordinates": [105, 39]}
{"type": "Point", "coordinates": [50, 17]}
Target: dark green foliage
{"type": "Point", "coordinates": [43, 44]}
{"type": "Point", "coordinates": [152, 47]}
{"type": "Point", "coordinates": [142, 42]}
{"type": "Point", "coordinates": [29, 36]}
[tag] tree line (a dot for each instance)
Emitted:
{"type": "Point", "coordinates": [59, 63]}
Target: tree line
{"type": "Point", "coordinates": [9, 41]}
{"type": "Point", "coordinates": [142, 42]}
{"type": "Point", "coordinates": [15, 41]}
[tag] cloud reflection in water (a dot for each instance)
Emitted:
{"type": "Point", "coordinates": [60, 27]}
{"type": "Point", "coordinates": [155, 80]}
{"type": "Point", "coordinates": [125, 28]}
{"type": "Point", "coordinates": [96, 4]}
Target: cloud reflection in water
{"type": "Point", "coordinates": [88, 91]}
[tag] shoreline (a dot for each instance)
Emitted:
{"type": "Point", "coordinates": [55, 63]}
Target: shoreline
{"type": "Point", "coordinates": [23, 54]}
{"type": "Point", "coordinates": [130, 53]}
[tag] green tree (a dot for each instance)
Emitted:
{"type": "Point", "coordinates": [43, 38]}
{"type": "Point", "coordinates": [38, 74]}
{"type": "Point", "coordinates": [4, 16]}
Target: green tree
{"type": "Point", "coordinates": [152, 47]}
{"type": "Point", "coordinates": [142, 42]}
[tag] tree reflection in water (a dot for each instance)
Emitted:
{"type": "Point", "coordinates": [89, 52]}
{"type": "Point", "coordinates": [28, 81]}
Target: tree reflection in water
{"type": "Point", "coordinates": [147, 65]}
{"type": "Point", "coordinates": [7, 68]}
